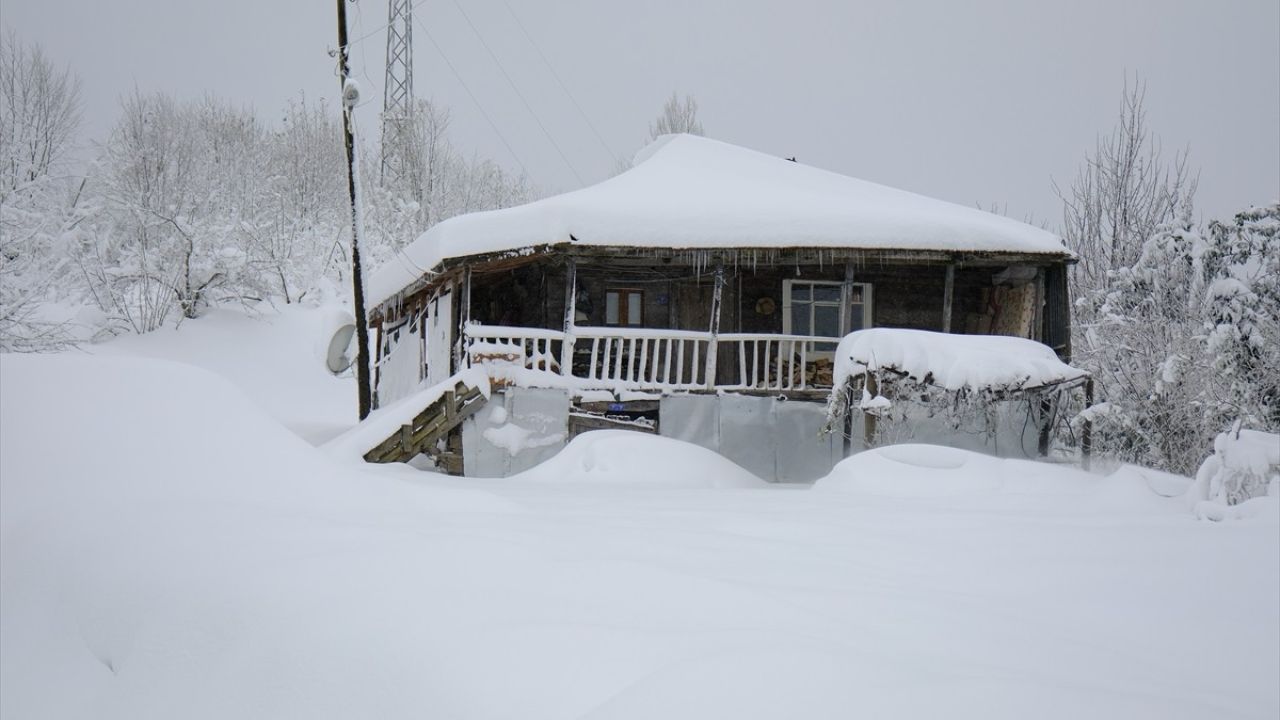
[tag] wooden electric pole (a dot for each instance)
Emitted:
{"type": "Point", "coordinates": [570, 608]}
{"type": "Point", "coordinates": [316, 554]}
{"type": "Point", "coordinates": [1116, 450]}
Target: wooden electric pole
{"type": "Point", "coordinates": [349, 98]}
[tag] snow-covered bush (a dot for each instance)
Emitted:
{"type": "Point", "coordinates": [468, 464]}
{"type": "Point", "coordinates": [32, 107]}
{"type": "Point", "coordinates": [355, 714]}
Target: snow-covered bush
{"type": "Point", "coordinates": [1244, 466]}
{"type": "Point", "coordinates": [1242, 316]}
{"type": "Point", "coordinates": [1146, 352]}
{"type": "Point", "coordinates": [1186, 341]}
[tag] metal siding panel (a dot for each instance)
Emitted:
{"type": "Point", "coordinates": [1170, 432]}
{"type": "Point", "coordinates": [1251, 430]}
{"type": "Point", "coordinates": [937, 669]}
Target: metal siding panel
{"type": "Point", "coordinates": [804, 454]}
{"type": "Point", "coordinates": [691, 418]}
{"type": "Point", "coordinates": [747, 433]}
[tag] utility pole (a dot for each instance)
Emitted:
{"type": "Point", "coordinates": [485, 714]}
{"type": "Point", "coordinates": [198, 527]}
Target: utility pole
{"type": "Point", "coordinates": [397, 94]}
{"type": "Point", "coordinates": [350, 95]}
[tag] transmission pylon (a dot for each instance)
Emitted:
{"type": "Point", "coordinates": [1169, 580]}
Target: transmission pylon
{"type": "Point", "coordinates": [397, 94]}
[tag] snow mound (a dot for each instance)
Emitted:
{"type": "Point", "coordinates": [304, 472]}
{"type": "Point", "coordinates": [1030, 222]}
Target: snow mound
{"type": "Point", "coordinates": [914, 471]}
{"type": "Point", "coordinates": [269, 354]}
{"type": "Point", "coordinates": [627, 457]}
{"type": "Point", "coordinates": [977, 362]}
{"type": "Point", "coordinates": [164, 541]}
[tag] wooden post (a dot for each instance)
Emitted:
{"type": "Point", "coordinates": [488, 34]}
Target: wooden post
{"type": "Point", "coordinates": [847, 439]}
{"type": "Point", "coordinates": [364, 387]}
{"type": "Point", "coordinates": [868, 419]}
{"type": "Point", "coordinates": [460, 359]}
{"type": "Point", "coordinates": [570, 316]}
{"type": "Point", "coordinates": [377, 363]}
{"type": "Point", "coordinates": [947, 290]}
{"type": "Point", "coordinates": [846, 305]}
{"type": "Point", "coordinates": [713, 348]}
{"type": "Point", "coordinates": [1046, 412]}
{"type": "Point", "coordinates": [1086, 433]}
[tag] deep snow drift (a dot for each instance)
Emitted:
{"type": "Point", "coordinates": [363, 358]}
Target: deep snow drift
{"type": "Point", "coordinates": [170, 550]}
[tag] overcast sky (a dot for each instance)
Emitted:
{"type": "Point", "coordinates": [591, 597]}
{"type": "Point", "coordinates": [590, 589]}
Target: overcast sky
{"type": "Point", "coordinates": [975, 102]}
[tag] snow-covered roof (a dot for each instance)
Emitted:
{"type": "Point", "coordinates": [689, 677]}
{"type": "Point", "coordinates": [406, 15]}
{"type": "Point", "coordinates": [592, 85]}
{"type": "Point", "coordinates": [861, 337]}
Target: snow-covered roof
{"type": "Point", "coordinates": [953, 362]}
{"type": "Point", "coordinates": [689, 192]}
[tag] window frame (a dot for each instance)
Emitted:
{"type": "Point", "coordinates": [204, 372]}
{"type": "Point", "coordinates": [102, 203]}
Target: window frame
{"type": "Point", "coordinates": [846, 305]}
{"type": "Point", "coordinates": [624, 306]}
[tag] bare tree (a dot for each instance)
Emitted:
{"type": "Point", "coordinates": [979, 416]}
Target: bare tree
{"type": "Point", "coordinates": [39, 115]}
{"type": "Point", "coordinates": [677, 117]}
{"type": "Point", "coordinates": [1121, 194]}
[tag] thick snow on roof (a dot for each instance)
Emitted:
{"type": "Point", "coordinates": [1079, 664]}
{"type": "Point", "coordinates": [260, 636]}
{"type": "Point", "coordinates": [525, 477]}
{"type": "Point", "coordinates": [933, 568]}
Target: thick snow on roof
{"type": "Point", "coordinates": [977, 362]}
{"type": "Point", "coordinates": [692, 192]}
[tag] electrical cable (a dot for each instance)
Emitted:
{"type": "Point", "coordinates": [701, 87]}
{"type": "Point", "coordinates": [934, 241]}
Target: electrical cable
{"type": "Point", "coordinates": [378, 29]}
{"type": "Point", "coordinates": [612, 156]}
{"type": "Point", "coordinates": [472, 95]}
{"type": "Point", "coordinates": [519, 94]}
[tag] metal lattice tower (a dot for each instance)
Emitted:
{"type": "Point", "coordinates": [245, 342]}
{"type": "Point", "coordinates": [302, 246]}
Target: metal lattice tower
{"type": "Point", "coordinates": [397, 97]}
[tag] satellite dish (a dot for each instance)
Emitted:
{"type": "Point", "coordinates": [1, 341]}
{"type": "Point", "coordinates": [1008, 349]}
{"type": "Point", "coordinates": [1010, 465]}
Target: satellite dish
{"type": "Point", "coordinates": [336, 341]}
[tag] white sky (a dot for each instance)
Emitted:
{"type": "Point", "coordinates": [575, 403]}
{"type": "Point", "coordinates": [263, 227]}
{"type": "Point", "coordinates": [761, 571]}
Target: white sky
{"type": "Point", "coordinates": [975, 102]}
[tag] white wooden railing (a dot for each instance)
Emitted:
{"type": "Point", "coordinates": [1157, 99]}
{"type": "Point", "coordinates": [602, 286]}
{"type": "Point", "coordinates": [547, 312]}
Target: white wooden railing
{"type": "Point", "coordinates": [653, 359]}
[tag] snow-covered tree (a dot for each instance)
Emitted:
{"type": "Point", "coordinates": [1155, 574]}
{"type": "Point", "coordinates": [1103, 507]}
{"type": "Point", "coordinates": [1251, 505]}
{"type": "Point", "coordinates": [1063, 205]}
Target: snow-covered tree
{"type": "Point", "coordinates": [1186, 343]}
{"type": "Point", "coordinates": [435, 182]}
{"type": "Point", "coordinates": [1242, 317]}
{"type": "Point", "coordinates": [177, 184]}
{"type": "Point", "coordinates": [39, 115]}
{"type": "Point", "coordinates": [298, 233]}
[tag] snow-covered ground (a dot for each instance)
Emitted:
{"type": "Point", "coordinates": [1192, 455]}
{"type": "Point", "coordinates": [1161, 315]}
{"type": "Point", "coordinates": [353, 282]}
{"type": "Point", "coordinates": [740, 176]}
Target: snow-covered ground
{"type": "Point", "coordinates": [173, 548]}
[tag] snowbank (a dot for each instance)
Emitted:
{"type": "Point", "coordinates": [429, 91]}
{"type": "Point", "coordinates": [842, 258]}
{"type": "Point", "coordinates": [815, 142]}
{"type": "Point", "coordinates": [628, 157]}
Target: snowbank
{"type": "Point", "coordinates": [914, 471]}
{"type": "Point", "coordinates": [977, 362]}
{"type": "Point", "coordinates": [271, 355]}
{"type": "Point", "coordinates": [625, 457]}
{"type": "Point", "coordinates": [168, 550]}
{"type": "Point", "coordinates": [690, 192]}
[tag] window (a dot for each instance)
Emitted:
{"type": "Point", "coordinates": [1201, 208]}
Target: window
{"type": "Point", "coordinates": [824, 309]}
{"type": "Point", "coordinates": [624, 307]}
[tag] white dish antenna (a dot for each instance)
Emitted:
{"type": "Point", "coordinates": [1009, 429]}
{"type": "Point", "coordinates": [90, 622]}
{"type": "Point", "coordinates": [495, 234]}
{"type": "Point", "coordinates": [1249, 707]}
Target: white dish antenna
{"type": "Point", "coordinates": [336, 341]}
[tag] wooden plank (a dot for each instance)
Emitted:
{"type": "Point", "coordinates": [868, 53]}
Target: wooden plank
{"type": "Point", "coordinates": [583, 423]}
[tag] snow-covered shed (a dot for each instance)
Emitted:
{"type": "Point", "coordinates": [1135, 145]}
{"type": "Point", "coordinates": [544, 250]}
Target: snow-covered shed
{"type": "Point", "coordinates": [707, 269]}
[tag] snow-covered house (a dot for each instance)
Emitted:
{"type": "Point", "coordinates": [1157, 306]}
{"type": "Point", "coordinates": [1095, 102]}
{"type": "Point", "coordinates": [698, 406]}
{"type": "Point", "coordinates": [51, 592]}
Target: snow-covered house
{"type": "Point", "coordinates": [699, 295]}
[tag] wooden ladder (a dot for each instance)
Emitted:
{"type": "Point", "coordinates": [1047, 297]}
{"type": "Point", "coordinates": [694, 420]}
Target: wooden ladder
{"type": "Point", "coordinates": [423, 434]}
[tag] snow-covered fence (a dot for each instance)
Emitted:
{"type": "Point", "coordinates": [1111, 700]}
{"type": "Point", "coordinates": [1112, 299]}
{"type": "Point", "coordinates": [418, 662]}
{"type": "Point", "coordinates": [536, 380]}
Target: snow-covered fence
{"type": "Point", "coordinates": [533, 348]}
{"type": "Point", "coordinates": [775, 362]}
{"type": "Point", "coordinates": [656, 359]}
{"type": "Point", "coordinates": [643, 358]}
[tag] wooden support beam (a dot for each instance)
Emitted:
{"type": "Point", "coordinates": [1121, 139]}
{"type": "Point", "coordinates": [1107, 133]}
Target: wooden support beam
{"type": "Point", "coordinates": [460, 359]}
{"type": "Point", "coordinates": [713, 347]}
{"type": "Point", "coordinates": [948, 289]}
{"type": "Point", "coordinates": [846, 294]}
{"type": "Point", "coordinates": [1086, 432]}
{"type": "Point", "coordinates": [570, 316]}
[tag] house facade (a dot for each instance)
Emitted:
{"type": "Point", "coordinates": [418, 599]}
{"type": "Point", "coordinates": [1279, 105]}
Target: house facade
{"type": "Point", "coordinates": [699, 295]}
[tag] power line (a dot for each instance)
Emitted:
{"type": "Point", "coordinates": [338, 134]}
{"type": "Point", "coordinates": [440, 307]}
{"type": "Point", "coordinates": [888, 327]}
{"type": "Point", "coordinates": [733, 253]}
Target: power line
{"type": "Point", "coordinates": [378, 29]}
{"type": "Point", "coordinates": [422, 26]}
{"type": "Point", "coordinates": [519, 94]}
{"type": "Point", "coordinates": [572, 99]}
